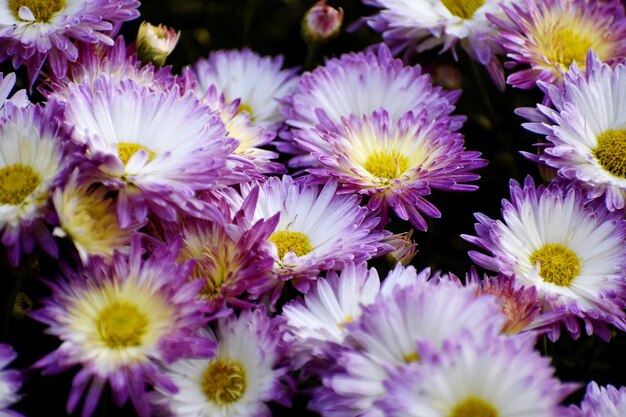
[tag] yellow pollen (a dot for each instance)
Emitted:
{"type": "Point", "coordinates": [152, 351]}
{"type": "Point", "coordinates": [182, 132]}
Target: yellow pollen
{"type": "Point", "coordinates": [122, 325]}
{"type": "Point", "coordinates": [557, 264]}
{"type": "Point", "coordinates": [386, 164]}
{"type": "Point", "coordinates": [128, 149]}
{"type": "Point", "coordinates": [16, 183]}
{"type": "Point", "coordinates": [463, 8]}
{"type": "Point", "coordinates": [564, 46]}
{"type": "Point", "coordinates": [295, 242]}
{"type": "Point", "coordinates": [346, 320]}
{"type": "Point", "coordinates": [224, 381]}
{"type": "Point", "coordinates": [43, 10]}
{"type": "Point", "coordinates": [412, 357]}
{"type": "Point", "coordinates": [474, 407]}
{"type": "Point", "coordinates": [611, 152]}
{"type": "Point", "coordinates": [246, 108]}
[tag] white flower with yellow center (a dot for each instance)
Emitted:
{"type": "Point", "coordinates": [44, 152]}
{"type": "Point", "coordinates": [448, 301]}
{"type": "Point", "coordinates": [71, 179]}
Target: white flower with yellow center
{"type": "Point", "coordinates": [119, 319]}
{"type": "Point", "coordinates": [573, 254]}
{"type": "Point", "coordinates": [33, 160]}
{"type": "Point", "coordinates": [550, 35]}
{"type": "Point", "coordinates": [245, 373]}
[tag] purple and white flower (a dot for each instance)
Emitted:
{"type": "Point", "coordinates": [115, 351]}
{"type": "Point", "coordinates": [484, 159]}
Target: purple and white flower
{"type": "Point", "coordinates": [10, 382]}
{"type": "Point", "coordinates": [599, 401]}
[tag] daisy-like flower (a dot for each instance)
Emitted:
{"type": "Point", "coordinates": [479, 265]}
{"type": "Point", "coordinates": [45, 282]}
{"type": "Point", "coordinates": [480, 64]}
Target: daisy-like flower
{"type": "Point", "coordinates": [550, 35]}
{"type": "Point", "coordinates": [246, 373]}
{"type": "Point", "coordinates": [423, 24]}
{"type": "Point", "coordinates": [158, 148]}
{"type": "Point", "coordinates": [250, 136]}
{"type": "Point", "coordinates": [34, 158]}
{"type": "Point", "coordinates": [257, 81]}
{"type": "Point", "coordinates": [389, 334]}
{"type": "Point", "coordinates": [86, 214]}
{"type": "Point", "coordinates": [317, 231]}
{"type": "Point", "coordinates": [586, 130]}
{"type": "Point", "coordinates": [321, 316]}
{"type": "Point", "coordinates": [10, 382]}
{"type": "Point", "coordinates": [18, 99]}
{"type": "Point", "coordinates": [33, 31]}
{"type": "Point", "coordinates": [231, 255]}
{"type": "Point", "coordinates": [473, 377]}
{"type": "Point", "coordinates": [359, 84]}
{"type": "Point", "coordinates": [602, 402]}
{"type": "Point", "coordinates": [520, 305]}
{"type": "Point", "coordinates": [119, 321]}
{"type": "Point", "coordinates": [117, 61]}
{"type": "Point", "coordinates": [573, 254]}
{"type": "Point", "coordinates": [395, 163]}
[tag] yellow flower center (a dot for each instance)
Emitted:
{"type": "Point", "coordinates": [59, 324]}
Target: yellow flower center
{"type": "Point", "coordinates": [565, 46]}
{"type": "Point", "coordinates": [474, 407]}
{"type": "Point", "coordinates": [43, 10]}
{"type": "Point", "coordinates": [611, 152]}
{"type": "Point", "coordinates": [295, 242]}
{"type": "Point", "coordinates": [385, 164]}
{"type": "Point", "coordinates": [16, 183]}
{"type": "Point", "coordinates": [463, 8]}
{"type": "Point", "coordinates": [557, 264]}
{"type": "Point", "coordinates": [224, 381]}
{"type": "Point", "coordinates": [412, 357]}
{"type": "Point", "coordinates": [122, 325]}
{"type": "Point", "coordinates": [346, 320]}
{"type": "Point", "coordinates": [243, 107]}
{"type": "Point", "coordinates": [128, 149]}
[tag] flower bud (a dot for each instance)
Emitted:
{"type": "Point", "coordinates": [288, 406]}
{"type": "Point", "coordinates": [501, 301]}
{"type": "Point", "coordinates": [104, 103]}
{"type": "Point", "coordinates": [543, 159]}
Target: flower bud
{"type": "Point", "coordinates": [404, 248]}
{"type": "Point", "coordinates": [155, 43]}
{"type": "Point", "coordinates": [321, 23]}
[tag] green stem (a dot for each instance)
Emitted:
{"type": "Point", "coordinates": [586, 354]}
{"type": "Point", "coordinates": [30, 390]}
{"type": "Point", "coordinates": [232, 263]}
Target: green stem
{"type": "Point", "coordinates": [311, 53]}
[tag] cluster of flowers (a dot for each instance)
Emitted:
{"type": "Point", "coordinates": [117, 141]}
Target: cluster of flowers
{"type": "Point", "coordinates": [180, 237]}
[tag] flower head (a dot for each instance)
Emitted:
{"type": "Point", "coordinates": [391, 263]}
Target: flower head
{"type": "Point", "coordinates": [257, 81]}
{"type": "Point", "coordinates": [473, 377]}
{"type": "Point", "coordinates": [155, 43]}
{"type": "Point", "coordinates": [321, 22]}
{"type": "Point", "coordinates": [246, 373]}
{"type": "Point", "coordinates": [118, 321]}
{"type": "Point", "coordinates": [10, 382]}
{"type": "Point", "coordinates": [34, 158]}
{"type": "Point", "coordinates": [586, 130]}
{"type": "Point", "coordinates": [571, 252]}
{"type": "Point", "coordinates": [395, 163]}
{"type": "Point", "coordinates": [599, 401]}
{"type": "Point", "coordinates": [158, 159]}
{"type": "Point", "coordinates": [550, 35]}
{"type": "Point", "coordinates": [33, 32]}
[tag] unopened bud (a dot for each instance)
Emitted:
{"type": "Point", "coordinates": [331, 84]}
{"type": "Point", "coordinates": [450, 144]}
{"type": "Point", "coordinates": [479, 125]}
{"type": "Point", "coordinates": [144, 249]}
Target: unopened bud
{"type": "Point", "coordinates": [155, 43]}
{"type": "Point", "coordinates": [404, 248]}
{"type": "Point", "coordinates": [321, 23]}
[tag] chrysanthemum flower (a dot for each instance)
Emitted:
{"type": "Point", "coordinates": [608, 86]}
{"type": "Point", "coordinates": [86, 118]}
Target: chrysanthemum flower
{"type": "Point", "coordinates": [33, 31]}
{"type": "Point", "coordinates": [10, 382]}
{"type": "Point", "coordinates": [573, 254]}
{"type": "Point", "coordinates": [257, 81]}
{"type": "Point", "coordinates": [396, 163]}
{"type": "Point", "coordinates": [389, 334]}
{"type": "Point", "coordinates": [550, 35]}
{"type": "Point", "coordinates": [246, 373]}
{"type": "Point", "coordinates": [250, 136]}
{"type": "Point", "coordinates": [475, 377]}
{"type": "Point", "coordinates": [86, 214]}
{"type": "Point", "coordinates": [34, 158]}
{"type": "Point", "coordinates": [158, 148]}
{"type": "Point", "coordinates": [119, 321]}
{"type": "Point", "coordinates": [602, 402]}
{"type": "Point", "coordinates": [231, 255]}
{"type": "Point", "coordinates": [317, 231]}
{"type": "Point", "coordinates": [117, 61]}
{"type": "Point", "coordinates": [359, 84]}
{"type": "Point", "coordinates": [18, 99]}
{"type": "Point", "coordinates": [420, 25]}
{"type": "Point", "coordinates": [321, 316]}
{"type": "Point", "coordinates": [586, 131]}
{"type": "Point", "coordinates": [520, 305]}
